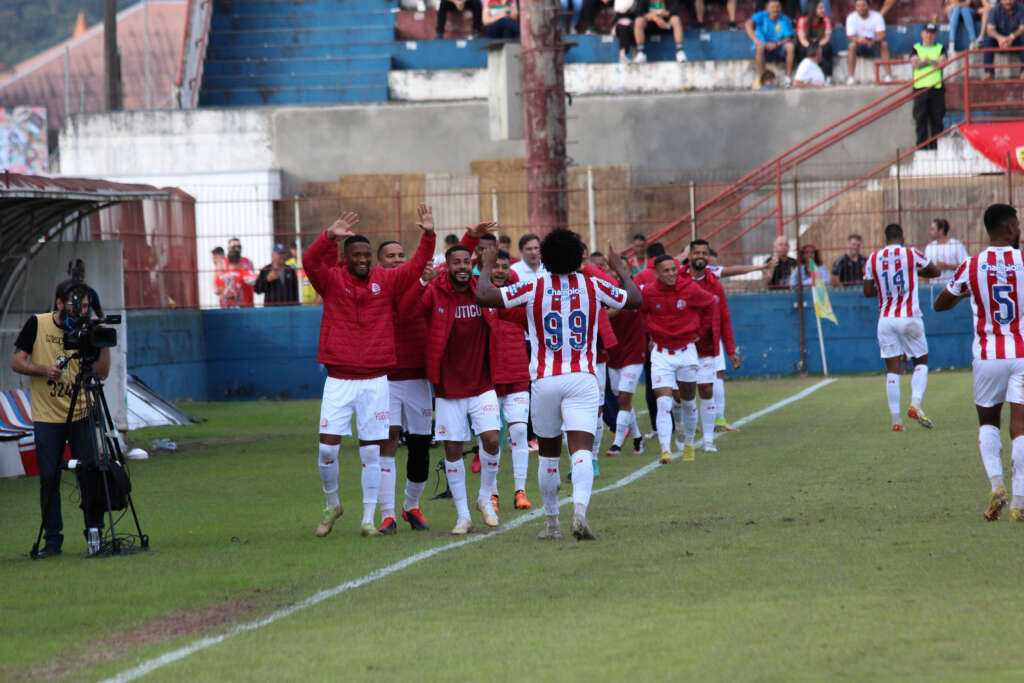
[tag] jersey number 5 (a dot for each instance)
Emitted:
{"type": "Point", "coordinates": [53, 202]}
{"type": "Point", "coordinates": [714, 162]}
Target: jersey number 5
{"type": "Point", "coordinates": [555, 335]}
{"type": "Point", "coordinates": [1006, 312]}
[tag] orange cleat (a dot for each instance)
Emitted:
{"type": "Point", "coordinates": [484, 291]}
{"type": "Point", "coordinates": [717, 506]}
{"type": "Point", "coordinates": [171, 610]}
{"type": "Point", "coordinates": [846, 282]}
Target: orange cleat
{"type": "Point", "coordinates": [416, 519]}
{"type": "Point", "coordinates": [897, 427]}
{"type": "Point", "coordinates": [494, 501]}
{"type": "Point", "coordinates": [522, 502]}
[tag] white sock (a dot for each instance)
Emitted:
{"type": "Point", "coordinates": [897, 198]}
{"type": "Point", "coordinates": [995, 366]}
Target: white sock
{"type": "Point", "coordinates": [622, 425]}
{"type": "Point", "coordinates": [719, 397]}
{"type": "Point", "coordinates": [548, 481]}
{"type": "Point", "coordinates": [664, 422]}
{"type": "Point", "coordinates": [892, 392]}
{"type": "Point", "coordinates": [918, 383]}
{"type": "Point", "coordinates": [1017, 453]}
{"type": "Point", "coordinates": [386, 491]}
{"type": "Point", "coordinates": [991, 447]}
{"type": "Point", "coordinates": [329, 473]}
{"type": "Point", "coordinates": [677, 414]}
{"type": "Point", "coordinates": [582, 479]}
{"type": "Point", "coordinates": [413, 491]}
{"type": "Point", "coordinates": [635, 426]}
{"type": "Point", "coordinates": [707, 419]}
{"type": "Point", "coordinates": [370, 455]}
{"type": "Point", "coordinates": [689, 421]}
{"type": "Point", "coordinates": [520, 454]}
{"type": "Point", "coordinates": [598, 435]}
{"type": "Point", "coordinates": [488, 474]}
{"type": "Point", "coordinates": [456, 473]}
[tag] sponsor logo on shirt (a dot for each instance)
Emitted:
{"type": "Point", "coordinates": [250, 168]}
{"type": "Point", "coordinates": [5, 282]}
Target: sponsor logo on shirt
{"type": "Point", "coordinates": [1000, 269]}
{"type": "Point", "coordinates": [569, 291]}
{"type": "Point", "coordinates": [375, 288]}
{"type": "Point", "coordinates": [466, 311]}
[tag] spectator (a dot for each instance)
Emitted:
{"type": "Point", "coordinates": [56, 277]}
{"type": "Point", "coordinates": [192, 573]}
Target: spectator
{"type": "Point", "coordinates": [658, 16]}
{"type": "Point", "coordinates": [235, 245]}
{"type": "Point", "coordinates": [809, 73]}
{"type": "Point", "coordinates": [460, 6]}
{"type": "Point", "coordinates": [802, 273]}
{"type": "Point", "coordinates": [848, 269]}
{"type": "Point", "coordinates": [986, 8]}
{"type": "Point", "coordinates": [449, 242]}
{"type": "Point", "coordinates": [277, 281]}
{"type": "Point", "coordinates": [638, 261]}
{"type": "Point", "coordinates": [772, 33]}
{"type": "Point", "coordinates": [767, 80]}
{"type": "Point", "coordinates": [530, 268]}
{"type": "Point", "coordinates": [624, 19]}
{"type": "Point", "coordinates": [217, 257]}
{"type": "Point", "coordinates": [814, 29]}
{"type": "Point", "coordinates": [929, 95]}
{"type": "Point", "coordinates": [588, 15]}
{"type": "Point", "coordinates": [598, 259]}
{"type": "Point", "coordinates": [865, 30]}
{"type": "Point", "coordinates": [957, 11]}
{"type": "Point", "coordinates": [1005, 28]}
{"type": "Point", "coordinates": [944, 251]}
{"type": "Point", "coordinates": [698, 12]}
{"type": "Point", "coordinates": [779, 275]}
{"type": "Point", "coordinates": [501, 18]}
{"type": "Point", "coordinates": [234, 284]}
{"type": "Point", "coordinates": [505, 244]}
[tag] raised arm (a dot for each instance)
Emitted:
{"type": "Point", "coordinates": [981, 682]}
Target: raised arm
{"type": "Point", "coordinates": [322, 255]}
{"type": "Point", "coordinates": [486, 293]}
{"type": "Point", "coordinates": [406, 274]}
{"type": "Point", "coordinates": [633, 298]}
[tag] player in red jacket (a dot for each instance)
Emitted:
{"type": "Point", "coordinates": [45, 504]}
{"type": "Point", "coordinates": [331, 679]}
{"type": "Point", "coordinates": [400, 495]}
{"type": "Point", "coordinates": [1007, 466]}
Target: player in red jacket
{"type": "Point", "coordinates": [357, 346]}
{"type": "Point", "coordinates": [606, 341]}
{"type": "Point", "coordinates": [677, 313]}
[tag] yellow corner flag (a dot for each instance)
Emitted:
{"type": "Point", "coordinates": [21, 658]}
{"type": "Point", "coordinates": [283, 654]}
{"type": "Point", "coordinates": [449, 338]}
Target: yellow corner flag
{"type": "Point", "coordinates": [822, 305]}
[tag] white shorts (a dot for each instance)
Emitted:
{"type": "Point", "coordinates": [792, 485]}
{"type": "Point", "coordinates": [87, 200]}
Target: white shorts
{"type": "Point", "coordinates": [720, 358]}
{"type": "Point", "coordinates": [898, 336]}
{"type": "Point", "coordinates": [367, 398]}
{"type": "Point", "coordinates": [998, 380]}
{"type": "Point", "coordinates": [453, 415]}
{"type": "Point", "coordinates": [669, 368]}
{"type": "Point", "coordinates": [625, 378]}
{"type": "Point", "coordinates": [706, 369]}
{"type": "Point", "coordinates": [564, 402]}
{"type": "Point", "coordinates": [411, 405]}
{"type": "Point", "coordinates": [515, 407]}
{"type": "Point", "coordinates": [602, 378]}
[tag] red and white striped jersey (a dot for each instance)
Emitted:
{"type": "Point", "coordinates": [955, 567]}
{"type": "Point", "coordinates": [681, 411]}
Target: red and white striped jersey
{"type": "Point", "coordinates": [994, 279]}
{"type": "Point", "coordinates": [894, 270]}
{"type": "Point", "coordinates": [561, 315]}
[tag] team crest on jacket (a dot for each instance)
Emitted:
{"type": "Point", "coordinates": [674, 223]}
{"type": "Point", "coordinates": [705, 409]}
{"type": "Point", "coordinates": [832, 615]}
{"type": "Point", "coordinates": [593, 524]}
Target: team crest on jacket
{"type": "Point", "coordinates": [680, 304]}
{"type": "Point", "coordinates": [375, 288]}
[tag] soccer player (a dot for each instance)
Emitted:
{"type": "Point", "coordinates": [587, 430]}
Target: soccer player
{"type": "Point", "coordinates": [677, 313]}
{"type": "Point", "coordinates": [891, 273]}
{"type": "Point", "coordinates": [709, 346]}
{"type": "Point", "coordinates": [561, 313]}
{"type": "Point", "coordinates": [625, 364]}
{"type": "Point", "coordinates": [992, 279]}
{"type": "Point", "coordinates": [357, 346]}
{"type": "Point", "coordinates": [411, 406]}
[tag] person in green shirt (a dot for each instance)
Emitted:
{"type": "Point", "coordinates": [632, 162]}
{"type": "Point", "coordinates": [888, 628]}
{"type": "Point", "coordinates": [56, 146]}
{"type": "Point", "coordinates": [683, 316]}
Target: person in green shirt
{"type": "Point", "coordinates": [929, 95]}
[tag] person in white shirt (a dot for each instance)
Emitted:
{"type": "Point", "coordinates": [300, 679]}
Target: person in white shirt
{"type": "Point", "coordinates": [944, 251]}
{"type": "Point", "coordinates": [809, 73]}
{"type": "Point", "coordinates": [530, 267]}
{"type": "Point", "coordinates": [865, 29]}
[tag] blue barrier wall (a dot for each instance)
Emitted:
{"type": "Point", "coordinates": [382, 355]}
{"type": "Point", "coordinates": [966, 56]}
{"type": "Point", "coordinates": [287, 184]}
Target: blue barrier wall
{"type": "Point", "coordinates": [271, 353]}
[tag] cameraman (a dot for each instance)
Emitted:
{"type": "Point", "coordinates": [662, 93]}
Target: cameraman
{"type": "Point", "coordinates": [39, 353]}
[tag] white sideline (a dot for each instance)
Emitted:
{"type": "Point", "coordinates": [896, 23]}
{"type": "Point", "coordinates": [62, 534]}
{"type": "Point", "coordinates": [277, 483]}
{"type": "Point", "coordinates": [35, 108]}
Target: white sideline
{"type": "Point", "coordinates": [318, 597]}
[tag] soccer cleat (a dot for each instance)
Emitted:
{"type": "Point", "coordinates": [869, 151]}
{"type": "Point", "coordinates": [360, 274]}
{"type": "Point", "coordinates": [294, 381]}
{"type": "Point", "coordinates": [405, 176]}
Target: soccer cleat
{"type": "Point", "coordinates": [638, 445]}
{"type": "Point", "coordinates": [915, 413]}
{"type": "Point", "coordinates": [1016, 515]}
{"type": "Point", "coordinates": [641, 58]}
{"type": "Point", "coordinates": [487, 511]}
{"type": "Point", "coordinates": [721, 425]}
{"type": "Point", "coordinates": [522, 502]}
{"type": "Point", "coordinates": [710, 447]}
{"type": "Point", "coordinates": [613, 450]}
{"type": "Point", "coordinates": [388, 526]}
{"type": "Point", "coordinates": [552, 531]}
{"type": "Point", "coordinates": [680, 56]}
{"type": "Point", "coordinates": [462, 527]}
{"type": "Point", "coordinates": [327, 520]}
{"type": "Point", "coordinates": [580, 530]}
{"type": "Point", "coordinates": [897, 427]}
{"type": "Point", "coordinates": [689, 454]}
{"type": "Point", "coordinates": [666, 458]}
{"type": "Point", "coordinates": [996, 502]}
{"type": "Point", "coordinates": [475, 465]}
{"type": "Point", "coordinates": [368, 529]}
{"type": "Point", "coordinates": [532, 445]}
{"type": "Point", "coordinates": [494, 502]}
{"type": "Point", "coordinates": [416, 519]}
{"type": "Point", "coordinates": [597, 469]}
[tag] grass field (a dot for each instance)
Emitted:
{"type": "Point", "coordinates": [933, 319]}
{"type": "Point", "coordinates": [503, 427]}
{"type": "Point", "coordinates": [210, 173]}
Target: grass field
{"type": "Point", "coordinates": [815, 544]}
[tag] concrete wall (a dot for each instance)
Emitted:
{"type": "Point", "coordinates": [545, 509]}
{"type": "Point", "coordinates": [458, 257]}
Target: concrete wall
{"type": "Point", "coordinates": [167, 351]}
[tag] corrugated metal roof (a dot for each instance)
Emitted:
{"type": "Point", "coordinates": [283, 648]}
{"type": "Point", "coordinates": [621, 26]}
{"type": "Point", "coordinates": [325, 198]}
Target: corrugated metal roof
{"type": "Point", "coordinates": [39, 81]}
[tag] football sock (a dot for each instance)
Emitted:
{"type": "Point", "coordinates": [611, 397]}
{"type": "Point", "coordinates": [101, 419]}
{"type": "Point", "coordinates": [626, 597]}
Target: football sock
{"type": "Point", "coordinates": [329, 472]}
{"type": "Point", "coordinates": [719, 397]}
{"type": "Point", "coordinates": [892, 392]}
{"type": "Point", "coordinates": [548, 481]}
{"type": "Point", "coordinates": [413, 491]}
{"type": "Point", "coordinates": [520, 454]}
{"type": "Point", "coordinates": [1017, 454]}
{"type": "Point", "coordinates": [689, 421]}
{"type": "Point", "coordinates": [918, 383]}
{"type": "Point", "coordinates": [677, 414]}
{"type": "Point", "coordinates": [370, 455]}
{"type": "Point", "coordinates": [386, 490]}
{"type": "Point", "coordinates": [635, 426]}
{"type": "Point", "coordinates": [417, 466]}
{"type": "Point", "coordinates": [488, 474]}
{"type": "Point", "coordinates": [622, 424]}
{"type": "Point", "coordinates": [456, 472]}
{"type": "Point", "coordinates": [582, 479]}
{"type": "Point", "coordinates": [991, 448]}
{"type": "Point", "coordinates": [598, 434]}
{"type": "Point", "coordinates": [664, 422]}
{"type": "Point", "coordinates": [707, 419]}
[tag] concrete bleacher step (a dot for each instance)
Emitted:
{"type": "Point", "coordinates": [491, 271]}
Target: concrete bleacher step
{"type": "Point", "coordinates": [284, 79]}
{"type": "Point", "coordinates": [226, 68]}
{"type": "Point", "coordinates": [310, 34]}
{"type": "Point", "coordinates": [292, 95]}
{"type": "Point", "coordinates": [239, 7]}
{"type": "Point", "coordinates": [228, 51]}
{"type": "Point", "coordinates": [254, 22]}
{"type": "Point", "coordinates": [955, 156]}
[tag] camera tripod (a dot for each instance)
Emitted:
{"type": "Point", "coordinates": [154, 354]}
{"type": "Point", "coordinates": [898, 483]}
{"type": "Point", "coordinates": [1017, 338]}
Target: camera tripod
{"type": "Point", "coordinates": [106, 455]}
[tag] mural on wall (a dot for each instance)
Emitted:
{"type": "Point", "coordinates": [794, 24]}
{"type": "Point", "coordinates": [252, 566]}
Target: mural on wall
{"type": "Point", "coordinates": [23, 140]}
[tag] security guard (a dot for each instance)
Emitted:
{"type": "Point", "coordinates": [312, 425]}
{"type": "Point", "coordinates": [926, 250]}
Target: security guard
{"type": "Point", "coordinates": [929, 97]}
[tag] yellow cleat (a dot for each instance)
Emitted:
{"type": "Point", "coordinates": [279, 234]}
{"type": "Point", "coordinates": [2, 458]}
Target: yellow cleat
{"type": "Point", "coordinates": [996, 502]}
{"type": "Point", "coordinates": [1016, 515]}
{"type": "Point", "coordinates": [327, 520]}
{"type": "Point", "coordinates": [915, 413]}
{"type": "Point", "coordinates": [487, 512]}
{"type": "Point", "coordinates": [666, 458]}
{"type": "Point", "coordinates": [689, 454]}
{"type": "Point", "coordinates": [369, 529]}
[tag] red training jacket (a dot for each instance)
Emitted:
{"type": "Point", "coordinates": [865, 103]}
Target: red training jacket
{"type": "Point", "coordinates": [679, 315]}
{"type": "Point", "coordinates": [632, 346]}
{"type": "Point", "coordinates": [708, 345]}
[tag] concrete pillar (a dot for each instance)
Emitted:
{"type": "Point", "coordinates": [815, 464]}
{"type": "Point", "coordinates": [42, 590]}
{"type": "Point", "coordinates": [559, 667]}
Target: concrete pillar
{"type": "Point", "coordinates": [504, 96]}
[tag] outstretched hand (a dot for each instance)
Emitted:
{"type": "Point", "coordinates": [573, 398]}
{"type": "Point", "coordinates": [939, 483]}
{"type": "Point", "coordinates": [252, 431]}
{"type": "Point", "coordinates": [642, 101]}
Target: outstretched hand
{"type": "Point", "coordinates": [429, 273]}
{"type": "Point", "coordinates": [614, 260]}
{"type": "Point", "coordinates": [342, 228]}
{"type": "Point", "coordinates": [488, 257]}
{"type": "Point", "coordinates": [426, 218]}
{"type": "Point", "coordinates": [481, 229]}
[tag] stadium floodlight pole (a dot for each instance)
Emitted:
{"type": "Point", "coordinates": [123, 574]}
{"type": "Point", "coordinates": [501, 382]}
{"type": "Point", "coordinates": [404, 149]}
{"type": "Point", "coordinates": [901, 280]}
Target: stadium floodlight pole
{"type": "Point", "coordinates": [543, 56]}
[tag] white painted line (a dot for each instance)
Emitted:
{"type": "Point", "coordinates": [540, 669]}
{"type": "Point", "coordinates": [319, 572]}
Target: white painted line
{"type": "Point", "coordinates": [318, 597]}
